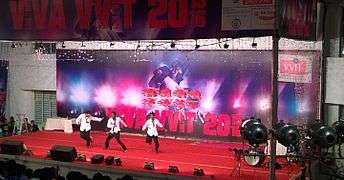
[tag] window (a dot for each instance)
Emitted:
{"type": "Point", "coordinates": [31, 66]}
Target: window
{"type": "Point", "coordinates": [45, 106]}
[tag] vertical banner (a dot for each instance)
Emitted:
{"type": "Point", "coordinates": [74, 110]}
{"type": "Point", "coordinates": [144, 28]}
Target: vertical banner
{"type": "Point", "coordinates": [298, 19]}
{"type": "Point", "coordinates": [3, 85]}
{"type": "Point", "coordinates": [299, 86]}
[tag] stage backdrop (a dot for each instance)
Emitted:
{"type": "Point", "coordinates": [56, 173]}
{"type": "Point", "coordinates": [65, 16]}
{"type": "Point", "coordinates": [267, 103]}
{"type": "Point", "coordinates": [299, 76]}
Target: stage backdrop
{"type": "Point", "coordinates": [3, 85]}
{"type": "Point", "coordinates": [203, 94]}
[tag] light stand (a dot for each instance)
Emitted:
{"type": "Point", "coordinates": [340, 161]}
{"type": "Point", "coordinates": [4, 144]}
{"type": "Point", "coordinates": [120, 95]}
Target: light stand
{"type": "Point", "coordinates": [238, 155]}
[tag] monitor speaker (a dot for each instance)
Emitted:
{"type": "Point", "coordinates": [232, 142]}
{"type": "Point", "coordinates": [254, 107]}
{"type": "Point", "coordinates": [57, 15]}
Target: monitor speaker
{"type": "Point", "coordinates": [97, 159]}
{"type": "Point", "coordinates": [63, 153]}
{"type": "Point", "coordinates": [12, 147]}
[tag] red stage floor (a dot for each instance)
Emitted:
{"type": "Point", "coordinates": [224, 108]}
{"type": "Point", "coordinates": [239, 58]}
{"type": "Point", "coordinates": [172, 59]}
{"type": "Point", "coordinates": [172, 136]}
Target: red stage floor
{"type": "Point", "coordinates": [214, 157]}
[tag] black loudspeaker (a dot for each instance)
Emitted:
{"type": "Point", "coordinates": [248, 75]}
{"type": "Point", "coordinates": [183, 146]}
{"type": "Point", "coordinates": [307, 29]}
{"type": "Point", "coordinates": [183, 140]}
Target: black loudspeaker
{"type": "Point", "coordinates": [198, 172]}
{"type": "Point", "coordinates": [173, 169]}
{"type": "Point", "coordinates": [97, 159]}
{"type": "Point", "coordinates": [109, 160]}
{"type": "Point", "coordinates": [149, 165]}
{"type": "Point", "coordinates": [118, 161]}
{"type": "Point", "coordinates": [12, 147]}
{"type": "Point", "coordinates": [63, 153]}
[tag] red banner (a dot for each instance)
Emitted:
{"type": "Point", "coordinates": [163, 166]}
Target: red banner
{"type": "Point", "coordinates": [150, 19]}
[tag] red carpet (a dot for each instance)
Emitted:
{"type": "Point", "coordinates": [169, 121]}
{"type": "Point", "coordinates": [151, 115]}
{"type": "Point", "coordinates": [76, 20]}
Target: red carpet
{"type": "Point", "coordinates": [214, 157]}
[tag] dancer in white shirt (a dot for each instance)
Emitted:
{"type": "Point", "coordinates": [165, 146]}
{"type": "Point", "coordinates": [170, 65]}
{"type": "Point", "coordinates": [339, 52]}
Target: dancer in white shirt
{"type": "Point", "coordinates": [114, 124]}
{"type": "Point", "coordinates": [152, 131]}
{"type": "Point", "coordinates": [84, 120]}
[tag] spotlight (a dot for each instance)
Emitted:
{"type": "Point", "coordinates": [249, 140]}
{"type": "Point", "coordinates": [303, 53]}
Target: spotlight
{"type": "Point", "coordinates": [197, 45]}
{"type": "Point", "coordinates": [198, 172]}
{"type": "Point", "coordinates": [82, 44]}
{"type": "Point", "coordinates": [81, 157]}
{"type": "Point", "coordinates": [112, 44]}
{"type": "Point", "coordinates": [254, 44]}
{"type": "Point", "coordinates": [13, 45]}
{"type": "Point", "coordinates": [339, 127]}
{"type": "Point", "coordinates": [118, 161]}
{"type": "Point", "coordinates": [173, 169]}
{"type": "Point", "coordinates": [226, 46]}
{"type": "Point", "coordinates": [287, 134]}
{"type": "Point", "coordinates": [254, 157]}
{"type": "Point", "coordinates": [173, 45]}
{"type": "Point", "coordinates": [109, 160]}
{"type": "Point", "coordinates": [322, 135]}
{"type": "Point", "coordinates": [63, 45]}
{"type": "Point", "coordinates": [149, 165]}
{"type": "Point", "coordinates": [254, 131]}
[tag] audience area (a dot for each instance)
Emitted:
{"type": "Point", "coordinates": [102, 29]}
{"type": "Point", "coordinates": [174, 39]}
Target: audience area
{"type": "Point", "coordinates": [10, 170]}
{"type": "Point", "coordinates": [11, 127]}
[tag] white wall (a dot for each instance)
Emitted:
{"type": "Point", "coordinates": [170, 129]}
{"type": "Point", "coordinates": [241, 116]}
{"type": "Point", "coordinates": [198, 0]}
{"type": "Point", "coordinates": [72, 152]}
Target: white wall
{"type": "Point", "coordinates": [28, 72]}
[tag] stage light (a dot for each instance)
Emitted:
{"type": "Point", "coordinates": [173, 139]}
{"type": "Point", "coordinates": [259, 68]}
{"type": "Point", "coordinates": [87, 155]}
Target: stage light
{"type": "Point", "coordinates": [197, 45]}
{"type": "Point", "coordinates": [263, 104]}
{"type": "Point", "coordinates": [82, 44]}
{"type": "Point", "coordinates": [63, 45]}
{"type": "Point", "coordinates": [226, 46]}
{"type": "Point", "coordinates": [149, 165]}
{"type": "Point", "coordinates": [80, 94]}
{"type": "Point", "coordinates": [109, 160]}
{"type": "Point", "coordinates": [287, 134]}
{"type": "Point", "coordinates": [13, 45]}
{"type": "Point", "coordinates": [198, 172]}
{"type": "Point", "coordinates": [173, 169]}
{"type": "Point", "coordinates": [236, 104]}
{"type": "Point", "coordinates": [253, 157]}
{"type": "Point", "coordinates": [132, 97]}
{"type": "Point", "coordinates": [339, 127]}
{"type": "Point", "coordinates": [323, 135]}
{"type": "Point", "coordinates": [105, 96]}
{"type": "Point", "coordinates": [208, 102]}
{"type": "Point", "coordinates": [207, 105]}
{"type": "Point", "coordinates": [118, 161]}
{"type": "Point", "coordinates": [112, 44]}
{"type": "Point", "coordinates": [173, 45]}
{"type": "Point", "coordinates": [81, 157]}
{"type": "Point", "coordinates": [60, 96]}
{"type": "Point", "coordinates": [254, 44]}
{"type": "Point", "coordinates": [254, 131]}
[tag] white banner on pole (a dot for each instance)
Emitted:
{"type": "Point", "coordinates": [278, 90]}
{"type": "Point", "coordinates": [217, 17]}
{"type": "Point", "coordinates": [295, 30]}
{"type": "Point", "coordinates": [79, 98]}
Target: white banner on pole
{"type": "Point", "coordinates": [295, 68]}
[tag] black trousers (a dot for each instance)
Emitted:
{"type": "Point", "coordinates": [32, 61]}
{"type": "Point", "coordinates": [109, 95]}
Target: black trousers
{"type": "Point", "coordinates": [86, 136]}
{"type": "Point", "coordinates": [117, 137]}
{"type": "Point", "coordinates": [155, 139]}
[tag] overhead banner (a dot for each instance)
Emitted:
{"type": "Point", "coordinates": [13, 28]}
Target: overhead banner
{"type": "Point", "coordinates": [3, 85]}
{"type": "Point", "coordinates": [191, 95]}
{"type": "Point", "coordinates": [135, 19]}
{"type": "Point", "coordinates": [299, 19]}
{"type": "Point", "coordinates": [247, 15]}
{"type": "Point", "coordinates": [295, 68]}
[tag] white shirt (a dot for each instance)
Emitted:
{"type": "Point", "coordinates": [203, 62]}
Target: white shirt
{"type": "Point", "coordinates": [85, 122]}
{"type": "Point", "coordinates": [114, 125]}
{"type": "Point", "coordinates": [151, 125]}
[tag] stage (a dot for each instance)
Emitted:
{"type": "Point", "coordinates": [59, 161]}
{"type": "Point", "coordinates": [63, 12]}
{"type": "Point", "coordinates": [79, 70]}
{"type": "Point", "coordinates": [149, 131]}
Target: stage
{"type": "Point", "coordinates": [213, 157]}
